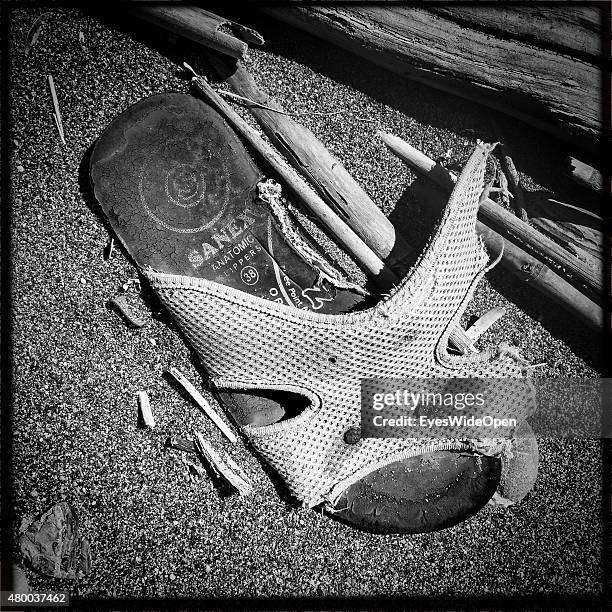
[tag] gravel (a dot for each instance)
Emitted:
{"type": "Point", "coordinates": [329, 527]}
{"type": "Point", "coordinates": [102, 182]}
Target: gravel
{"type": "Point", "coordinates": [78, 367]}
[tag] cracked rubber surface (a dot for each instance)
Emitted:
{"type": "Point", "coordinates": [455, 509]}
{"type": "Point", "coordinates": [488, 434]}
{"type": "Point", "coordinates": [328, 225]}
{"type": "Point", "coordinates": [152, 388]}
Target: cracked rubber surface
{"type": "Point", "coordinates": [421, 494]}
{"type": "Point", "coordinates": [178, 188]}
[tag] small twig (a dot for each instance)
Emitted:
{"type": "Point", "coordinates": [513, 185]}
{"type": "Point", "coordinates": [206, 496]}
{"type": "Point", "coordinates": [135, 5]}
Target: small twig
{"type": "Point", "coordinates": [58, 114]}
{"type": "Point", "coordinates": [145, 409]}
{"type": "Point", "coordinates": [34, 32]}
{"type": "Point", "coordinates": [221, 467]}
{"type": "Point", "coordinates": [580, 210]}
{"type": "Point", "coordinates": [204, 405]}
{"type": "Point", "coordinates": [235, 96]}
{"type": "Point", "coordinates": [110, 248]}
{"type": "Point", "coordinates": [513, 177]}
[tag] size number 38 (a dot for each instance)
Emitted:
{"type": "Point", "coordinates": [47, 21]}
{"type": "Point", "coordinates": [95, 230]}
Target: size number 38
{"type": "Point", "coordinates": [249, 275]}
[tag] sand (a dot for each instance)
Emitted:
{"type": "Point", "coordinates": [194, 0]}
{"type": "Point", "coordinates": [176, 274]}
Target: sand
{"type": "Point", "coordinates": [78, 367]}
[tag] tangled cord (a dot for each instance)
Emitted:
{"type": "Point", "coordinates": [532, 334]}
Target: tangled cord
{"type": "Point", "coordinates": [269, 191]}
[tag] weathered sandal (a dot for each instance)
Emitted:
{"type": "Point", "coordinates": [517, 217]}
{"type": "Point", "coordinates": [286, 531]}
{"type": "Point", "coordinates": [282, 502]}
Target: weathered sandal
{"type": "Point", "coordinates": [284, 336]}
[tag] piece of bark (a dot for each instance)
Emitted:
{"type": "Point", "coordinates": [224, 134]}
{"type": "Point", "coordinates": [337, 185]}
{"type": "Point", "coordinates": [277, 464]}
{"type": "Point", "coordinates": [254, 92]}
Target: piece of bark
{"type": "Point", "coordinates": [199, 399]}
{"type": "Point", "coordinates": [199, 26]}
{"type": "Point", "coordinates": [145, 409]}
{"type": "Point", "coordinates": [182, 444]}
{"type": "Point", "coordinates": [551, 91]}
{"type": "Point", "coordinates": [121, 305]}
{"type": "Point", "coordinates": [585, 175]}
{"type": "Point", "coordinates": [523, 265]}
{"type": "Point", "coordinates": [499, 218]}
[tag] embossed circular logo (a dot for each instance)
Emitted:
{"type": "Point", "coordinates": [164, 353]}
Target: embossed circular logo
{"type": "Point", "coordinates": [185, 197]}
{"type": "Point", "coordinates": [185, 185]}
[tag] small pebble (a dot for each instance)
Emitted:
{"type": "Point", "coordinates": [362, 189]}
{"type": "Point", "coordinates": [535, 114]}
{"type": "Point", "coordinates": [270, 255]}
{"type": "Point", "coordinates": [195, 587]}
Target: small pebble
{"type": "Point", "coordinates": [20, 168]}
{"type": "Point", "coordinates": [34, 493]}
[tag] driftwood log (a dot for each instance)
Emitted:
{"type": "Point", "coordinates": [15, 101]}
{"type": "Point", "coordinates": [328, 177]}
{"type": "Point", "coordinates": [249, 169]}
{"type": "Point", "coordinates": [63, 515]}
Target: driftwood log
{"type": "Point", "coordinates": [504, 221]}
{"type": "Point", "coordinates": [580, 231]}
{"type": "Point", "coordinates": [199, 26]}
{"type": "Point", "coordinates": [552, 91]}
{"type": "Point", "coordinates": [573, 30]}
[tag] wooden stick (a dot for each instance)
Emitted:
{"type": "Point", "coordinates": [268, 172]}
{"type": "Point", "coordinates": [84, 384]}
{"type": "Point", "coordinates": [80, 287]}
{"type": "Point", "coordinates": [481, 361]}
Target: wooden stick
{"type": "Point", "coordinates": [110, 248]}
{"type": "Point", "coordinates": [498, 216]}
{"type": "Point", "coordinates": [309, 156]}
{"type": "Point", "coordinates": [479, 327]}
{"type": "Point", "coordinates": [199, 26]}
{"type": "Point", "coordinates": [515, 259]}
{"type": "Point", "coordinates": [198, 398]}
{"type": "Point", "coordinates": [58, 114]}
{"type": "Point", "coordinates": [235, 477]}
{"type": "Point", "coordinates": [145, 409]}
{"type": "Point", "coordinates": [344, 235]}
{"type": "Point", "coordinates": [514, 181]}
{"type": "Point", "coordinates": [579, 230]}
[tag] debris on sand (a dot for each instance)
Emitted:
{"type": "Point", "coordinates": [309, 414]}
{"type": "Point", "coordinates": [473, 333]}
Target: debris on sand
{"type": "Point", "coordinates": [226, 468]}
{"type": "Point", "coordinates": [53, 546]}
{"type": "Point", "coordinates": [204, 405]}
{"type": "Point", "coordinates": [145, 409]}
{"type": "Point", "coordinates": [121, 305]}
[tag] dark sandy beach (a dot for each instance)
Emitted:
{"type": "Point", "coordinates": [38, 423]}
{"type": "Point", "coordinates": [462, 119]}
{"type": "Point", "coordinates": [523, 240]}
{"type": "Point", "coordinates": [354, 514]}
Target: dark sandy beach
{"type": "Point", "coordinates": [154, 533]}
